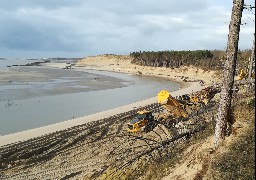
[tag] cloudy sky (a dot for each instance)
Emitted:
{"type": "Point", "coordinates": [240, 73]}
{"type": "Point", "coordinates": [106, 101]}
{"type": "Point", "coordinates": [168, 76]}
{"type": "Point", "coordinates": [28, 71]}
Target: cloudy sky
{"type": "Point", "coordinates": [79, 28]}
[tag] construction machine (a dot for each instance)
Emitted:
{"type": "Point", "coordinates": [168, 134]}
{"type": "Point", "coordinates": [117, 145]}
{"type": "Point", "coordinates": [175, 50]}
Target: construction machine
{"type": "Point", "coordinates": [144, 119]}
{"type": "Point", "coordinates": [174, 106]}
{"type": "Point", "coordinates": [204, 96]}
{"type": "Point", "coordinates": [243, 74]}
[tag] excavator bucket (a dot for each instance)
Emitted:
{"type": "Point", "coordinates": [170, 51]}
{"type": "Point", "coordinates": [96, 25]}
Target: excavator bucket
{"type": "Point", "coordinates": [163, 96]}
{"type": "Point", "coordinates": [171, 104]}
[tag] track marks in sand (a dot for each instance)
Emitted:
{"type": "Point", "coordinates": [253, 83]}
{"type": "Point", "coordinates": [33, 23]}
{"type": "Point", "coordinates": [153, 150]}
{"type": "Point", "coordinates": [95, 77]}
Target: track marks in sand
{"type": "Point", "coordinates": [85, 151]}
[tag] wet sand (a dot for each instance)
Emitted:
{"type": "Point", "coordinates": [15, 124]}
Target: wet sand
{"type": "Point", "coordinates": [27, 82]}
{"type": "Point", "coordinates": [49, 96]}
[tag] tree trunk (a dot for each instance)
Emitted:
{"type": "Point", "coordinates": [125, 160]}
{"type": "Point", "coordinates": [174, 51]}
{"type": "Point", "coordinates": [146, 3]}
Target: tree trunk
{"type": "Point", "coordinates": [224, 112]}
{"type": "Point", "coordinates": [252, 58]}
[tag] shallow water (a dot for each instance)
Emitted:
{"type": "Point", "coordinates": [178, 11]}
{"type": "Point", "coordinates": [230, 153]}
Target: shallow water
{"type": "Point", "coordinates": [4, 62]}
{"type": "Point", "coordinates": [68, 97]}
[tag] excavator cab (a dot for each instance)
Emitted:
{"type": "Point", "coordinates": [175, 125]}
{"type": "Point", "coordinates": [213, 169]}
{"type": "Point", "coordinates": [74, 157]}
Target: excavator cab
{"type": "Point", "coordinates": [185, 97]}
{"type": "Point", "coordinates": [143, 119]}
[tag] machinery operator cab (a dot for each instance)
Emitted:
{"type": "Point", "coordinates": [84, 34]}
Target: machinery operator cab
{"type": "Point", "coordinates": [141, 120]}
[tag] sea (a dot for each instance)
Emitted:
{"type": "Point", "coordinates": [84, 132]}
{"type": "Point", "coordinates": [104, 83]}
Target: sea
{"type": "Point", "coordinates": [68, 94]}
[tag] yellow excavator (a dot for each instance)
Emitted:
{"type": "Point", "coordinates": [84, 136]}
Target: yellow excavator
{"type": "Point", "coordinates": [144, 119]}
{"type": "Point", "coordinates": [243, 74]}
{"type": "Point", "coordinates": [174, 107]}
{"type": "Point", "coordinates": [204, 96]}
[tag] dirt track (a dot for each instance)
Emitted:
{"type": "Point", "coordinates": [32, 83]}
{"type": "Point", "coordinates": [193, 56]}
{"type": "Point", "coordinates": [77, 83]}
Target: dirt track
{"type": "Point", "coordinates": [98, 149]}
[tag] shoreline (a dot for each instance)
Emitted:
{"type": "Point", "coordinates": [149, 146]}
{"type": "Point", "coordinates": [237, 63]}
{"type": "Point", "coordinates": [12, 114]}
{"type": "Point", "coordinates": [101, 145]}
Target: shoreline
{"type": "Point", "coordinates": [186, 88]}
{"type": "Point", "coordinates": [182, 83]}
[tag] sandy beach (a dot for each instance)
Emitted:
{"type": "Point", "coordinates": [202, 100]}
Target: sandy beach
{"type": "Point", "coordinates": [120, 64]}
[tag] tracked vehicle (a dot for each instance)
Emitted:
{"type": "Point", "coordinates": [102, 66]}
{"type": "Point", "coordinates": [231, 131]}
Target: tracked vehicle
{"type": "Point", "coordinates": [144, 119]}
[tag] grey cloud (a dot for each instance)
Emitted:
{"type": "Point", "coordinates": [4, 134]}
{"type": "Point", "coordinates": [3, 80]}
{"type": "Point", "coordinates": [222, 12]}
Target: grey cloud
{"type": "Point", "coordinates": [149, 6]}
{"type": "Point", "coordinates": [27, 37]}
{"type": "Point", "coordinates": [47, 4]}
{"type": "Point", "coordinates": [113, 26]}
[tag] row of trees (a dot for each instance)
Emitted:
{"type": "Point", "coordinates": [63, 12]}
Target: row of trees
{"type": "Point", "coordinates": [205, 59]}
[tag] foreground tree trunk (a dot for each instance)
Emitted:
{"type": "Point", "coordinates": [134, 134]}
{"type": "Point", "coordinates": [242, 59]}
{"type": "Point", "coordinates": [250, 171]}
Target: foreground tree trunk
{"type": "Point", "coordinates": [252, 58]}
{"type": "Point", "coordinates": [224, 112]}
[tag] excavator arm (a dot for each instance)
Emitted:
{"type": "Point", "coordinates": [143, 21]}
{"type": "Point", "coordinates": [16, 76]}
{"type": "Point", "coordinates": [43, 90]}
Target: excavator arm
{"type": "Point", "coordinates": [173, 106]}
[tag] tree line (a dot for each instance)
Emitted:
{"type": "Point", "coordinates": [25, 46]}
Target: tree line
{"type": "Point", "coordinates": [204, 59]}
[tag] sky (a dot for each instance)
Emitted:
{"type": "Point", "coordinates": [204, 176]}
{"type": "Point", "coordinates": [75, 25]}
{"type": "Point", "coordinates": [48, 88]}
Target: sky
{"type": "Point", "coordinates": [80, 28]}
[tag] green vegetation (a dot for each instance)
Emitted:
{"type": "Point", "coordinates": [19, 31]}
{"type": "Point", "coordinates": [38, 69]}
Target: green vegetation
{"type": "Point", "coordinates": [205, 59]}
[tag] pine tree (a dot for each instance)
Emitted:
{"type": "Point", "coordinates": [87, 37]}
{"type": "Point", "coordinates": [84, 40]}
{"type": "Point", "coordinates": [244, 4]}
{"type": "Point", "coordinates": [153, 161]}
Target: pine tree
{"type": "Point", "coordinates": [224, 112]}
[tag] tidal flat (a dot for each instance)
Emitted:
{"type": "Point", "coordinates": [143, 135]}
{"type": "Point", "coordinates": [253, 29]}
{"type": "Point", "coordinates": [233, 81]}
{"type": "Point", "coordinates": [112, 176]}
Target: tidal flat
{"type": "Point", "coordinates": [32, 97]}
